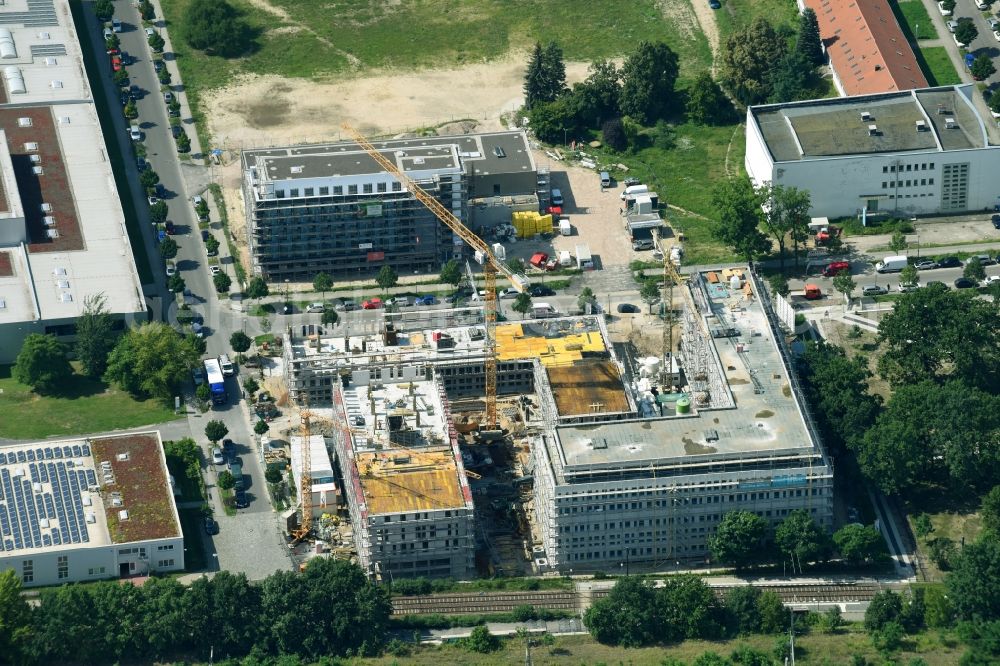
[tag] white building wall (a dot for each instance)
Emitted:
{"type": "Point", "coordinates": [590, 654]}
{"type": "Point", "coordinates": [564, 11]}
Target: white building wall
{"type": "Point", "coordinates": [757, 161]}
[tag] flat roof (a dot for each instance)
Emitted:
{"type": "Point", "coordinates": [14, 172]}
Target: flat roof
{"type": "Point", "coordinates": [489, 153]}
{"type": "Point", "coordinates": [839, 127]}
{"type": "Point", "coordinates": [765, 420]}
{"type": "Point", "coordinates": [78, 244]}
{"type": "Point", "coordinates": [319, 459]}
{"type": "Point", "coordinates": [59, 495]}
{"type": "Point", "coordinates": [866, 46]}
{"type": "Point", "coordinates": [397, 482]}
{"type": "Point", "coordinates": [589, 386]}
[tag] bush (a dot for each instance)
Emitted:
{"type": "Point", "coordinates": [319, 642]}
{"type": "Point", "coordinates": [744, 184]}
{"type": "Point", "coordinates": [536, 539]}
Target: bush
{"type": "Point", "coordinates": [482, 641]}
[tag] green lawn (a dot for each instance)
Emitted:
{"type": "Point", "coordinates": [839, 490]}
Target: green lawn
{"type": "Point", "coordinates": [735, 13]}
{"type": "Point", "coordinates": [815, 648]}
{"type": "Point", "coordinates": [911, 14]}
{"type": "Point", "coordinates": [937, 66]}
{"type": "Point", "coordinates": [114, 146]}
{"type": "Point", "coordinates": [84, 406]}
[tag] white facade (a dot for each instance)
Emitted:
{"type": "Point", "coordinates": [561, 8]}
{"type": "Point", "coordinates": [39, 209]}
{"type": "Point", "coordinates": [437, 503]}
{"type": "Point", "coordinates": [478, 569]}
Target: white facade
{"type": "Point", "coordinates": [936, 179]}
{"type": "Point", "coordinates": [73, 565]}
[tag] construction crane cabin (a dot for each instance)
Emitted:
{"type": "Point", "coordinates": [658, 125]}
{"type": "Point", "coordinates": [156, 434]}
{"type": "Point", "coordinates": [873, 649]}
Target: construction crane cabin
{"type": "Point", "coordinates": [491, 266]}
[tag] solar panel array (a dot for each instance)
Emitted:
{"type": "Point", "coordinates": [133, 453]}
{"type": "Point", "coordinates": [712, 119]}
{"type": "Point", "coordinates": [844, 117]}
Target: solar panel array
{"type": "Point", "coordinates": [41, 496]}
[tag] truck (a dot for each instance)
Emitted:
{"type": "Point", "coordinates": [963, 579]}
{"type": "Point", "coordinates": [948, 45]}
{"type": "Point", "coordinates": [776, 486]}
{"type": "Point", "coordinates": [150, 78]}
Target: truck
{"type": "Point", "coordinates": [565, 228]}
{"type": "Point", "coordinates": [892, 264]}
{"type": "Point", "coordinates": [565, 258]}
{"type": "Point", "coordinates": [632, 190]}
{"type": "Point", "coordinates": [584, 259]}
{"type": "Point", "coordinates": [543, 311]}
{"type": "Point", "coordinates": [216, 381]}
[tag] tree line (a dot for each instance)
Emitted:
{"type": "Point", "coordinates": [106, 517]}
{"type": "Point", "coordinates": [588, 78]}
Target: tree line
{"type": "Point", "coordinates": [760, 63]}
{"type": "Point", "coordinates": [330, 609]}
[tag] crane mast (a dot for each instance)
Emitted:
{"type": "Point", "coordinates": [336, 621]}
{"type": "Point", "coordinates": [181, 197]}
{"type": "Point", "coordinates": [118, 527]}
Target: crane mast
{"type": "Point", "coordinates": [491, 265]}
{"type": "Point", "coordinates": [305, 480]}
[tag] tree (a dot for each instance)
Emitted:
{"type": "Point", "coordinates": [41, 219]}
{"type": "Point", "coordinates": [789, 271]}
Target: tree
{"type": "Point", "coordinates": [586, 297]}
{"type": "Point", "coordinates": [553, 121]}
{"type": "Point", "coordinates": [885, 607]}
{"type": "Point", "coordinates": [745, 655]}
{"type": "Point", "coordinates": [152, 360]}
{"type": "Point", "coordinates": [808, 42]}
{"type": "Point", "coordinates": [974, 581]}
{"type": "Point", "coordinates": [42, 364]}
{"type": "Point", "coordinates": [146, 10]}
{"type": "Point", "coordinates": [240, 342]}
{"type": "Point", "coordinates": [687, 608]}
{"type": "Point", "coordinates": [482, 641]}
{"type": "Point", "coordinates": [553, 71]}
{"type": "Point", "coordinates": [112, 42]}
{"type": "Point", "coordinates": [989, 511]}
{"type": "Point", "coordinates": [212, 245]}
{"type": "Point", "coordinates": [787, 214]}
{"type": "Point", "coordinates": [739, 216]}
{"type": "Point", "coordinates": [130, 111]}
{"type": "Point", "coordinates": [949, 5]}
{"type": "Point", "coordinates": [95, 335]}
{"type": "Point", "coordinates": [251, 386]}
{"type": "Point", "coordinates": [516, 265]}
{"type": "Point", "coordinates": [649, 293]}
{"type": "Point", "coordinates": [16, 626]}
{"type": "Point", "coordinates": [168, 248]}
{"type": "Point", "coordinates": [163, 76]}
{"type": "Point", "coordinates": [800, 538]}
{"type": "Point", "coordinates": [534, 79]}
{"type": "Point", "coordinates": [323, 283]}
{"type": "Point", "coordinates": [222, 282]}
{"type": "Point", "coordinates": [272, 475]}
{"type": "Point", "coordinates": [386, 278]}
{"type": "Point", "coordinates": [203, 393]}
{"type": "Point", "coordinates": [257, 288]}
{"type": "Point", "coordinates": [215, 27]}
{"type": "Point", "coordinates": [330, 317]}
{"type": "Point", "coordinates": [831, 621]}
{"type": "Point", "coordinates": [451, 273]}
{"type": "Point", "coordinates": [600, 93]}
{"type": "Point", "coordinates": [648, 78]}
{"type": "Point", "coordinates": [889, 638]}
{"type": "Point", "coordinates": [176, 283]}
{"type": "Point", "coordinates": [260, 427]}
{"type": "Point", "coordinates": [909, 275]}
{"type": "Point", "coordinates": [156, 43]}
{"type": "Point", "coordinates": [747, 59]}
{"type": "Point", "coordinates": [773, 616]}
{"type": "Point", "coordinates": [790, 78]}
{"type": "Point", "coordinates": [898, 242]}
{"type": "Point", "coordinates": [843, 282]}
{"type": "Point", "coordinates": [522, 304]}
{"type": "Point", "coordinates": [149, 178]}
{"type": "Point", "coordinates": [613, 134]}
{"type": "Point", "coordinates": [627, 617]}
{"type": "Point", "coordinates": [175, 108]}
{"type": "Point", "coordinates": [779, 284]}
{"type": "Point", "coordinates": [158, 212]}
{"type": "Point", "coordinates": [859, 544]}
{"type": "Point", "coordinates": [120, 78]}
{"type": "Point", "coordinates": [974, 270]}
{"type": "Point", "coordinates": [183, 143]}
{"type": "Point", "coordinates": [226, 480]}
{"type": "Point", "coordinates": [966, 32]}
{"type": "Point", "coordinates": [104, 10]}
{"type": "Point", "coordinates": [215, 430]}
{"type": "Point", "coordinates": [741, 604]}
{"type": "Point", "coordinates": [738, 537]}
{"type": "Point", "coordinates": [706, 103]}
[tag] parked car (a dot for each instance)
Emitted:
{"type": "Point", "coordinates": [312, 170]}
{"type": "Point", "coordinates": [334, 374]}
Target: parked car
{"type": "Point", "coordinates": [942, 10]}
{"type": "Point", "coordinates": [158, 65]}
{"type": "Point", "coordinates": [229, 447]}
{"type": "Point", "coordinates": [315, 307]}
{"type": "Point", "coordinates": [509, 292]}
{"type": "Point", "coordinates": [981, 5]}
{"type": "Point", "coordinates": [217, 457]}
{"type": "Point", "coordinates": [170, 228]}
{"type": "Point", "coordinates": [168, 96]}
{"type": "Point", "coordinates": [996, 221]}
{"type": "Point", "coordinates": [429, 299]}
{"type": "Point", "coordinates": [346, 306]}
{"type": "Point", "coordinates": [211, 527]}
{"type": "Point", "coordinates": [198, 375]}
{"type": "Point", "coordinates": [215, 269]}
{"type": "Point", "coordinates": [935, 284]}
{"type": "Point", "coordinates": [116, 63]}
{"type": "Point", "coordinates": [141, 164]}
{"type": "Point", "coordinates": [991, 279]}
{"type": "Point", "coordinates": [204, 235]}
{"type": "Point", "coordinates": [642, 244]}
{"type": "Point", "coordinates": [151, 200]}
{"type": "Point", "coordinates": [538, 260]}
{"type": "Point", "coordinates": [964, 283]}
{"type": "Point", "coordinates": [873, 290]}
{"type": "Point", "coordinates": [951, 25]}
{"type": "Point", "coordinates": [714, 4]}
{"type": "Point", "coordinates": [541, 290]}
{"type": "Point", "coordinates": [116, 24]}
{"type": "Point", "coordinates": [630, 181]}
{"type": "Point", "coordinates": [925, 265]}
{"type": "Point", "coordinates": [372, 304]}
{"type": "Point", "coordinates": [398, 301]}
{"type": "Point", "coordinates": [171, 269]}
{"type": "Point", "coordinates": [949, 262]}
{"type": "Point", "coordinates": [241, 500]}
{"type": "Point", "coordinates": [627, 308]}
{"type": "Point", "coordinates": [984, 259]}
{"type": "Point", "coordinates": [135, 133]}
{"type": "Point", "coordinates": [150, 32]}
{"type": "Point", "coordinates": [836, 267]}
{"type": "Point", "coordinates": [906, 287]}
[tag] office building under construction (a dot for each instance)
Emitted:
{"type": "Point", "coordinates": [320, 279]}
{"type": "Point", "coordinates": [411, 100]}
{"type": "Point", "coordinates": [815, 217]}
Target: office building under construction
{"type": "Point", "coordinates": [632, 462]}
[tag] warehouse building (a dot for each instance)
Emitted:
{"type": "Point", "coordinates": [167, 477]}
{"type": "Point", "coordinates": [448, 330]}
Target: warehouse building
{"type": "Point", "coordinates": [407, 494]}
{"type": "Point", "coordinates": [62, 230]}
{"type": "Point", "coordinates": [88, 509]}
{"type": "Point", "coordinates": [919, 152]}
{"type": "Point", "coordinates": [332, 208]}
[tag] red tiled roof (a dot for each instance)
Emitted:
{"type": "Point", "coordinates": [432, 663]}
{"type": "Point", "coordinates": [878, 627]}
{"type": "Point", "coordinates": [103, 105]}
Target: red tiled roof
{"type": "Point", "coordinates": [866, 46]}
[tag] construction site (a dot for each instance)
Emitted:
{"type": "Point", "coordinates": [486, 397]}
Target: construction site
{"type": "Point", "coordinates": [466, 445]}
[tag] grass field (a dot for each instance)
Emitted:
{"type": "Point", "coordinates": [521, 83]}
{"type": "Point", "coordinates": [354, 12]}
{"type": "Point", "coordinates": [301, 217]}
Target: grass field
{"type": "Point", "coordinates": [911, 14]}
{"type": "Point", "coordinates": [735, 13]}
{"type": "Point", "coordinates": [84, 406]}
{"type": "Point", "coordinates": [937, 66]}
{"type": "Point", "coordinates": [815, 648]}
{"type": "Point", "coordinates": [111, 135]}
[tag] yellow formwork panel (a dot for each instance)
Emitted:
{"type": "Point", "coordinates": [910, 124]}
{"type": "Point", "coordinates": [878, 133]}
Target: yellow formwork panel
{"type": "Point", "coordinates": [513, 344]}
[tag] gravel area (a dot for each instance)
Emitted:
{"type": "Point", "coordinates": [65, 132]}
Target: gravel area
{"type": "Point", "coordinates": [250, 543]}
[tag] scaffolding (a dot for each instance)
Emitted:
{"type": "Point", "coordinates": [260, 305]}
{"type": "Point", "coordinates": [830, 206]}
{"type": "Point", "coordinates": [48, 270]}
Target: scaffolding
{"type": "Point", "coordinates": [701, 365]}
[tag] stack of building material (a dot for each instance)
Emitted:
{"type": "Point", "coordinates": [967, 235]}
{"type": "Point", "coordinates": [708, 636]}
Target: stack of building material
{"type": "Point", "coordinates": [529, 223]}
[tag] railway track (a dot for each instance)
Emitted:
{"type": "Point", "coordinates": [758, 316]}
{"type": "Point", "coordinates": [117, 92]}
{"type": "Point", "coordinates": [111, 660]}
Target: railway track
{"type": "Point", "coordinates": [480, 603]}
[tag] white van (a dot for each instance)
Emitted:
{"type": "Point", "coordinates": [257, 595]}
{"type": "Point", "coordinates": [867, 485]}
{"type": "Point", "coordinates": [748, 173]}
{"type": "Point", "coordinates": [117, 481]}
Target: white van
{"type": "Point", "coordinates": [632, 190]}
{"type": "Point", "coordinates": [605, 179]}
{"type": "Point", "coordinates": [557, 198]}
{"type": "Point", "coordinates": [227, 366]}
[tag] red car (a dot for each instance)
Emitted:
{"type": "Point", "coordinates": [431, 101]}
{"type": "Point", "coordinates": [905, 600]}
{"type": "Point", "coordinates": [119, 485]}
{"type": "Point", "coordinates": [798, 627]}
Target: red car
{"type": "Point", "coordinates": [538, 260]}
{"type": "Point", "coordinates": [372, 304]}
{"type": "Point", "coordinates": [116, 63]}
{"type": "Point", "coordinates": [836, 267]}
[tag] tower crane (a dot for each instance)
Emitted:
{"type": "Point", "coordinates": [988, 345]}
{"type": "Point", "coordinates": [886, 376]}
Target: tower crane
{"type": "Point", "coordinates": [491, 265]}
{"type": "Point", "coordinates": [305, 479]}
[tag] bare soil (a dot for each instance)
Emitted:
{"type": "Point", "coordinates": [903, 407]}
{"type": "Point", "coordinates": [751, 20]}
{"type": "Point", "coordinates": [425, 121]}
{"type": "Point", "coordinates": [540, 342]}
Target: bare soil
{"type": "Point", "coordinates": [706, 19]}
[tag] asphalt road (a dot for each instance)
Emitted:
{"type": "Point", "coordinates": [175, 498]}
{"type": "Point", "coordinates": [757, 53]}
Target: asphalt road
{"type": "Point", "coordinates": [984, 43]}
{"type": "Point", "coordinates": [864, 274]}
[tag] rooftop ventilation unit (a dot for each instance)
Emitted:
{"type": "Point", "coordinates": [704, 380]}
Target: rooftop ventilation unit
{"type": "Point", "coordinates": [64, 120]}
{"type": "Point", "coordinates": [24, 121]}
{"type": "Point", "coordinates": [3, 304]}
{"type": "Point", "coordinates": [31, 146]}
{"type": "Point", "coordinates": [123, 515]}
{"type": "Point", "coordinates": [7, 49]}
{"type": "Point", "coordinates": [122, 457]}
{"type": "Point", "coordinates": [38, 171]}
{"type": "Point", "coordinates": [949, 123]}
{"type": "Point", "coordinates": [44, 35]}
{"type": "Point", "coordinates": [66, 297]}
{"type": "Point", "coordinates": [49, 221]}
{"type": "Point", "coordinates": [872, 130]}
{"type": "Point", "coordinates": [62, 271]}
{"type": "Point", "coordinates": [51, 62]}
{"type": "Point", "coordinates": [296, 169]}
{"type": "Point", "coordinates": [499, 152]}
{"type": "Point", "coordinates": [921, 126]}
{"type": "Point", "coordinates": [46, 208]}
{"type": "Point", "coordinates": [52, 234]}
{"type": "Point", "coordinates": [15, 81]}
{"type": "Point", "coordinates": [55, 84]}
{"type": "Point", "coordinates": [36, 159]}
{"type": "Point", "coordinates": [865, 116]}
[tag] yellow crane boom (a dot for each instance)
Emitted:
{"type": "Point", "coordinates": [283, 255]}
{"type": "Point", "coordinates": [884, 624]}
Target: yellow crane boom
{"type": "Point", "coordinates": [305, 480]}
{"type": "Point", "coordinates": [491, 265]}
